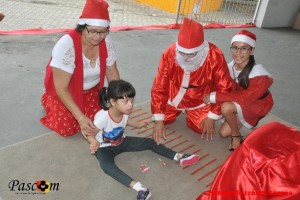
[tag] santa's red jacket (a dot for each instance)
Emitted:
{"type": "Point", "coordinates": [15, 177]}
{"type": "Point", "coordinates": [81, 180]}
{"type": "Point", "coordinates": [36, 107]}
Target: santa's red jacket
{"type": "Point", "coordinates": [213, 75]}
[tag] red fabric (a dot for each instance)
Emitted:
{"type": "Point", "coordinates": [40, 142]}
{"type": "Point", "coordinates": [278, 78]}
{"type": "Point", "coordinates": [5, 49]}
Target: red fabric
{"type": "Point", "coordinates": [193, 117]}
{"type": "Point", "coordinates": [75, 87]}
{"type": "Point", "coordinates": [253, 108]}
{"type": "Point", "coordinates": [213, 75]}
{"type": "Point", "coordinates": [264, 167]}
{"type": "Point", "coordinates": [121, 28]}
{"type": "Point", "coordinates": [95, 9]}
{"type": "Point", "coordinates": [59, 119]}
{"type": "Point", "coordinates": [247, 34]}
{"type": "Point", "coordinates": [191, 34]}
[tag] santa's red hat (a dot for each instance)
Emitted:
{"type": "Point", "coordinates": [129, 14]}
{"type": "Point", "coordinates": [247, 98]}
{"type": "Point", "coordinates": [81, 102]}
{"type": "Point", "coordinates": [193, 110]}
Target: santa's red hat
{"type": "Point", "coordinates": [245, 36]}
{"type": "Point", "coordinates": [95, 13]}
{"type": "Point", "coordinates": [190, 37]}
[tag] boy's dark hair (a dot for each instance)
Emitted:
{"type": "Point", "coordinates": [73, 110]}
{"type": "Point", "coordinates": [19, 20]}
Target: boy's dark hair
{"type": "Point", "coordinates": [244, 75]}
{"type": "Point", "coordinates": [117, 89]}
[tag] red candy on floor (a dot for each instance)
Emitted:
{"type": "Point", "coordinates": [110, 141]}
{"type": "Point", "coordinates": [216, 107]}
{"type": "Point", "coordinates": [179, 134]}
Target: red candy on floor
{"type": "Point", "coordinates": [144, 168]}
{"type": "Point", "coordinates": [162, 162]}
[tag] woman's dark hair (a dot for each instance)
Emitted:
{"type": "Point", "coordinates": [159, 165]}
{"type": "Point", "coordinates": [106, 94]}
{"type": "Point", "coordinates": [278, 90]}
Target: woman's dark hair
{"type": "Point", "coordinates": [244, 75]}
{"type": "Point", "coordinates": [79, 28]}
{"type": "Point", "coordinates": [117, 89]}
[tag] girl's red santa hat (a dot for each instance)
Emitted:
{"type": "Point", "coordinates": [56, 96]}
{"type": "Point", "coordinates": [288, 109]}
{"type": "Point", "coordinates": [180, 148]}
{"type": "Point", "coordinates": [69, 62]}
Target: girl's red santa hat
{"type": "Point", "coordinates": [95, 13]}
{"type": "Point", "coordinates": [190, 37]}
{"type": "Point", "coordinates": [245, 36]}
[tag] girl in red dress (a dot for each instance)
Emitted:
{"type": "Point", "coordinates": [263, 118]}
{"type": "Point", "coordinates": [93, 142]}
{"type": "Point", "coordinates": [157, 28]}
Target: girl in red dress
{"type": "Point", "coordinates": [249, 99]}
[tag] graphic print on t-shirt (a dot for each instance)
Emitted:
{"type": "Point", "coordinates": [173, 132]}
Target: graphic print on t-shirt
{"type": "Point", "coordinates": [115, 137]}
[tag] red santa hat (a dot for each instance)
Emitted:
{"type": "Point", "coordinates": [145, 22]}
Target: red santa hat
{"type": "Point", "coordinates": [95, 13]}
{"type": "Point", "coordinates": [190, 37]}
{"type": "Point", "coordinates": [245, 36]}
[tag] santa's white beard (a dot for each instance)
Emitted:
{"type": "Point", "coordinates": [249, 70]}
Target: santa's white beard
{"type": "Point", "coordinates": [189, 65]}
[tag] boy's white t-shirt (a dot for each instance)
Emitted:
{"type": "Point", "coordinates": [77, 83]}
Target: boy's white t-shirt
{"type": "Point", "coordinates": [63, 57]}
{"type": "Point", "coordinates": [111, 133]}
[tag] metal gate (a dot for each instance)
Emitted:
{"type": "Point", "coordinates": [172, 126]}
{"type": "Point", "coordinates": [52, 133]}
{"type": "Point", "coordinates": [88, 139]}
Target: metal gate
{"type": "Point", "coordinates": [160, 12]}
{"type": "Point", "coordinates": [128, 12]}
{"type": "Point", "coordinates": [219, 11]}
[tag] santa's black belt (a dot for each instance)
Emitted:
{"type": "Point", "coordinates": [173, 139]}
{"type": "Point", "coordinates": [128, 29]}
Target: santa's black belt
{"type": "Point", "coordinates": [191, 86]}
{"type": "Point", "coordinates": [265, 94]}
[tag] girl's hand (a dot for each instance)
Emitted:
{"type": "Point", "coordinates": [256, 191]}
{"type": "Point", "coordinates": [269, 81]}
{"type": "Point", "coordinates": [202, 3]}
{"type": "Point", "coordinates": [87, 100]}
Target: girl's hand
{"type": "Point", "coordinates": [143, 123]}
{"type": "Point", "coordinates": [94, 147]}
{"type": "Point", "coordinates": [87, 126]}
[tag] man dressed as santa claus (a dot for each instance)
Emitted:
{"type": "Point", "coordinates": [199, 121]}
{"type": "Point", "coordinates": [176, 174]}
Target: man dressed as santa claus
{"type": "Point", "coordinates": [189, 69]}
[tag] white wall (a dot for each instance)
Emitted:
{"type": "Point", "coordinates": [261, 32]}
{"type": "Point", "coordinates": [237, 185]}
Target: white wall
{"type": "Point", "coordinates": [277, 13]}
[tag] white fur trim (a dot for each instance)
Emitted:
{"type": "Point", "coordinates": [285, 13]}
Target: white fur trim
{"type": "Point", "coordinates": [204, 52]}
{"type": "Point", "coordinates": [212, 97]}
{"type": "Point", "coordinates": [243, 38]}
{"type": "Point", "coordinates": [184, 109]}
{"type": "Point", "coordinates": [182, 90]}
{"type": "Point", "coordinates": [241, 116]}
{"type": "Point", "coordinates": [193, 50]}
{"type": "Point", "coordinates": [259, 70]}
{"type": "Point", "coordinates": [158, 117]}
{"type": "Point", "coordinates": [213, 116]}
{"type": "Point", "coordinates": [94, 22]}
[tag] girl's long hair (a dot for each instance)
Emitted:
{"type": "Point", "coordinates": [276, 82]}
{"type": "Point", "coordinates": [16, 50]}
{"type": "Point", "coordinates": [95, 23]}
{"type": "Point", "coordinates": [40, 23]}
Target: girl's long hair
{"type": "Point", "coordinates": [117, 89]}
{"type": "Point", "coordinates": [244, 75]}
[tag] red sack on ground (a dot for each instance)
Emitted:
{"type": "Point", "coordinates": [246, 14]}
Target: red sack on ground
{"type": "Point", "coordinates": [265, 166]}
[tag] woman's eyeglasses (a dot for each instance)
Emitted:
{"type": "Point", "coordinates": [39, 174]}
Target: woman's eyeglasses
{"type": "Point", "coordinates": [242, 50]}
{"type": "Point", "coordinates": [94, 32]}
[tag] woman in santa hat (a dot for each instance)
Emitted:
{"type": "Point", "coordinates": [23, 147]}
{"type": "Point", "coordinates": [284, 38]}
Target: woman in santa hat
{"type": "Point", "coordinates": [250, 98]}
{"type": "Point", "coordinates": [80, 61]}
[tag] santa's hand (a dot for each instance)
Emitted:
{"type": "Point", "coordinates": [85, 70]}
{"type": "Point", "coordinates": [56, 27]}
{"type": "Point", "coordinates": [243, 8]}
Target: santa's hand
{"type": "Point", "coordinates": [206, 99]}
{"type": "Point", "coordinates": [208, 128]}
{"type": "Point", "coordinates": [159, 132]}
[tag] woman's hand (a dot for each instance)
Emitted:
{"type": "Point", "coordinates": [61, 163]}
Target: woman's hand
{"type": "Point", "coordinates": [87, 126]}
{"type": "Point", "coordinates": [61, 82]}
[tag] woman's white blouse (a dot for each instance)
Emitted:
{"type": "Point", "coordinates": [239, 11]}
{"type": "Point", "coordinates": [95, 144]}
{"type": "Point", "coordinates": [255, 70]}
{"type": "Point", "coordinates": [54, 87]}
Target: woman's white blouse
{"type": "Point", "coordinates": [63, 57]}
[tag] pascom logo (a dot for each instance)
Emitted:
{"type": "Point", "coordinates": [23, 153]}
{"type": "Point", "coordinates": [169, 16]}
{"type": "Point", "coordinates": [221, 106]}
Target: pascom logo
{"type": "Point", "coordinates": [43, 186]}
{"type": "Point", "coordinates": [40, 186]}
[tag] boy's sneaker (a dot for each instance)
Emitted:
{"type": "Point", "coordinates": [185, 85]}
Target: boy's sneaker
{"type": "Point", "coordinates": [188, 159]}
{"type": "Point", "coordinates": [143, 194]}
